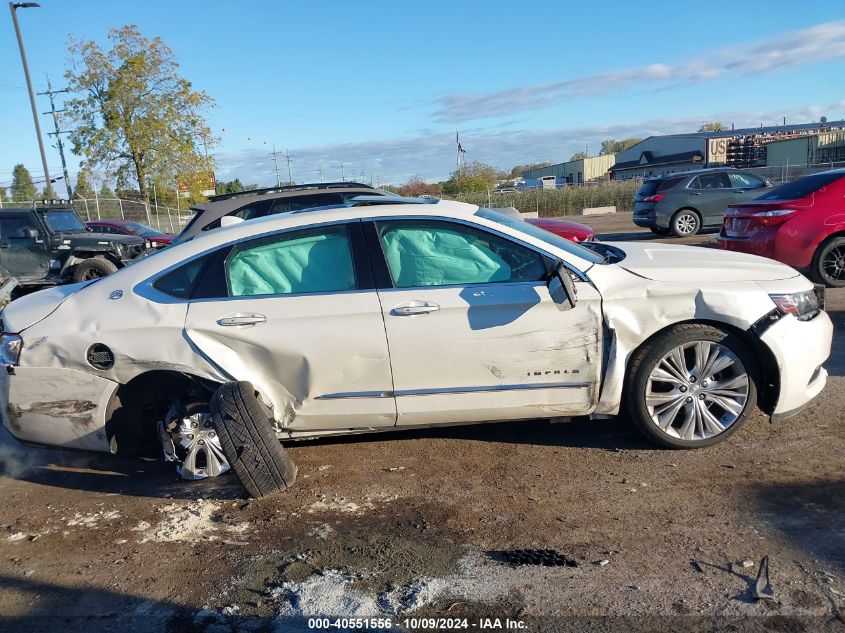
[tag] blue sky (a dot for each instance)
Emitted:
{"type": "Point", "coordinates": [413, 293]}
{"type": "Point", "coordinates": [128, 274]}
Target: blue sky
{"type": "Point", "coordinates": [383, 86]}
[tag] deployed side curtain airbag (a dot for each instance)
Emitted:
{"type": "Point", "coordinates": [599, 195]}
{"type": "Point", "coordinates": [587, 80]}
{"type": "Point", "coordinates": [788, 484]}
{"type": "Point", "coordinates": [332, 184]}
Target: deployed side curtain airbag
{"type": "Point", "coordinates": [315, 263]}
{"type": "Point", "coordinates": [422, 256]}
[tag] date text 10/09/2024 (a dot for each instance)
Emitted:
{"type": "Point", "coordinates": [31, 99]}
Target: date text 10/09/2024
{"type": "Point", "coordinates": [416, 623]}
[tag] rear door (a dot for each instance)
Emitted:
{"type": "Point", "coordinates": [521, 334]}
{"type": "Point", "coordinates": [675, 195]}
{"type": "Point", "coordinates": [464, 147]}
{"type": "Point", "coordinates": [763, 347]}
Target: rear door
{"type": "Point", "coordinates": [711, 194]}
{"type": "Point", "coordinates": [297, 315]}
{"type": "Point", "coordinates": [473, 332]}
{"type": "Point", "coordinates": [21, 256]}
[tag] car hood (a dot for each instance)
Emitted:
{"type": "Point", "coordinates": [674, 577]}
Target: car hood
{"type": "Point", "coordinates": [104, 237]}
{"type": "Point", "coordinates": [32, 308]}
{"type": "Point", "coordinates": [669, 262]}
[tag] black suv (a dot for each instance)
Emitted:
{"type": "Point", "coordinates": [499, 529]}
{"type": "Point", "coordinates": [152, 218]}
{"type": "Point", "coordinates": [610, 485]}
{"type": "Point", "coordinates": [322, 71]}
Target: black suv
{"type": "Point", "coordinates": [49, 244]}
{"type": "Point", "coordinates": [248, 205]}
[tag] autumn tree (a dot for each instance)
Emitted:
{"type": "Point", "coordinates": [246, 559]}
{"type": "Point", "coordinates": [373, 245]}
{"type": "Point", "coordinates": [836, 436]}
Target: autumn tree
{"type": "Point", "coordinates": [416, 186]}
{"type": "Point", "coordinates": [716, 126]}
{"type": "Point", "coordinates": [83, 186]}
{"type": "Point", "coordinates": [133, 113]}
{"type": "Point", "coordinates": [612, 146]}
{"type": "Point", "coordinates": [23, 189]}
{"type": "Point", "coordinates": [578, 156]}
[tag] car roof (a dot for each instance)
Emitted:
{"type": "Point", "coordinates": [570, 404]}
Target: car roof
{"type": "Point", "coordinates": [692, 172]}
{"type": "Point", "coordinates": [289, 190]}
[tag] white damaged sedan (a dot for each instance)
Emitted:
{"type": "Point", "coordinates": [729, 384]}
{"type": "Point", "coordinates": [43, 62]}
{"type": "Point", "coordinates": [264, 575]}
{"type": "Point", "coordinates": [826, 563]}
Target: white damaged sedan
{"type": "Point", "coordinates": [398, 315]}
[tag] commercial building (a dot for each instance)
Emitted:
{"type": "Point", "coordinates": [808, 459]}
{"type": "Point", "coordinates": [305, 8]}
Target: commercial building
{"type": "Point", "coordinates": [813, 149]}
{"type": "Point", "coordinates": [746, 148]}
{"type": "Point", "coordinates": [575, 171]}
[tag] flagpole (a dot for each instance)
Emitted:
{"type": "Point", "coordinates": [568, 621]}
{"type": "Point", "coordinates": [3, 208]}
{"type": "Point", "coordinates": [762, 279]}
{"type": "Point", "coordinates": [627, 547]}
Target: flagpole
{"type": "Point", "coordinates": [457, 154]}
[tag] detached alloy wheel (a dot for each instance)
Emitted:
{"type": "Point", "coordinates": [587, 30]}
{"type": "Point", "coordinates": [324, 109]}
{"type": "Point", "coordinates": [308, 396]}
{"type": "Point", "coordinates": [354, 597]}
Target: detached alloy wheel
{"type": "Point", "coordinates": [692, 386]}
{"type": "Point", "coordinates": [685, 223]}
{"type": "Point", "coordinates": [829, 263]}
{"type": "Point", "coordinates": [248, 441]}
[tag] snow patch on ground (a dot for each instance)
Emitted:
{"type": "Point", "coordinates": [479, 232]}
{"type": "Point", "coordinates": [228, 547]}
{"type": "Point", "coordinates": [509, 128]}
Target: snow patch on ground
{"type": "Point", "coordinates": [331, 592]}
{"type": "Point", "coordinates": [323, 531]}
{"type": "Point", "coordinates": [339, 504]}
{"type": "Point", "coordinates": [193, 521]}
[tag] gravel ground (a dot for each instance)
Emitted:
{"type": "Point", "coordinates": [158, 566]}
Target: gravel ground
{"type": "Point", "coordinates": [419, 524]}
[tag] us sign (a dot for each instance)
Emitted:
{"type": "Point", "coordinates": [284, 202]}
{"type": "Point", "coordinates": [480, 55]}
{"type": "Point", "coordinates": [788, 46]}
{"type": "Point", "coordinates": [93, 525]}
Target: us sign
{"type": "Point", "coordinates": [717, 150]}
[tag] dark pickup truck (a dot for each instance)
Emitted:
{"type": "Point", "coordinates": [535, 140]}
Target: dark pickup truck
{"type": "Point", "coordinates": [48, 244]}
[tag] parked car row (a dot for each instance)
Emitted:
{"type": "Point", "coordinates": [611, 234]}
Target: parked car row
{"type": "Point", "coordinates": [799, 223]}
{"type": "Point", "coordinates": [382, 313]}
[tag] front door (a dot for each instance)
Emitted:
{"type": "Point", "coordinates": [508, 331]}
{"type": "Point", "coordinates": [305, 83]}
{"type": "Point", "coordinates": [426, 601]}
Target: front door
{"type": "Point", "coordinates": [300, 319]}
{"type": "Point", "coordinates": [473, 333]}
{"type": "Point", "coordinates": [22, 256]}
{"type": "Point", "coordinates": [711, 194]}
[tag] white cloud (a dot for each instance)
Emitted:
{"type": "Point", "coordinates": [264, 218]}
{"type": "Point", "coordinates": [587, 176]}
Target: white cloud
{"type": "Point", "coordinates": [432, 156]}
{"type": "Point", "coordinates": [818, 43]}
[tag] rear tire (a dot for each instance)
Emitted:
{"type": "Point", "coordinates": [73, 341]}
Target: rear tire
{"type": "Point", "coordinates": [685, 223]}
{"type": "Point", "coordinates": [249, 442]}
{"type": "Point", "coordinates": [829, 263]}
{"type": "Point", "coordinates": [691, 386]}
{"type": "Point", "coordinates": [93, 268]}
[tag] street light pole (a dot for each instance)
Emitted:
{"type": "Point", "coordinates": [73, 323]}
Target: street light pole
{"type": "Point", "coordinates": [13, 6]}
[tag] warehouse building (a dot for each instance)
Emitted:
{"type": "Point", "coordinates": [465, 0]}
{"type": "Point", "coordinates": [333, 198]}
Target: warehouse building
{"type": "Point", "coordinates": [814, 149]}
{"type": "Point", "coordinates": [575, 172]}
{"type": "Point", "coordinates": [742, 148]}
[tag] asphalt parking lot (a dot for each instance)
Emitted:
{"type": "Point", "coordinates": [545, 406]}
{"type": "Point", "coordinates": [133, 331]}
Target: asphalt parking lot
{"type": "Point", "coordinates": [421, 523]}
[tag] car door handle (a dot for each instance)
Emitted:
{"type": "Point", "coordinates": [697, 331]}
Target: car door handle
{"type": "Point", "coordinates": [234, 320]}
{"type": "Point", "coordinates": [410, 308]}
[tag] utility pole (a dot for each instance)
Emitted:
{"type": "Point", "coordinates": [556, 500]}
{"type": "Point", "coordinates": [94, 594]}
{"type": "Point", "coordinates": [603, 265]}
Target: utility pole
{"type": "Point", "coordinates": [320, 171]}
{"type": "Point", "coordinates": [58, 133]}
{"type": "Point", "coordinates": [288, 157]}
{"type": "Point", "coordinates": [342, 174]}
{"type": "Point", "coordinates": [276, 163]}
{"type": "Point", "coordinates": [13, 6]}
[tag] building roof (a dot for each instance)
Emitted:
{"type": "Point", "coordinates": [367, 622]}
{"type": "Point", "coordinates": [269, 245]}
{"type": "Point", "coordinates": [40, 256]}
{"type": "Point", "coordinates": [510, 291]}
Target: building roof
{"type": "Point", "coordinates": [648, 159]}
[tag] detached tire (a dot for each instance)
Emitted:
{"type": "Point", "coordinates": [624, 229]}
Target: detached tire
{"type": "Point", "coordinates": [93, 268]}
{"type": "Point", "coordinates": [248, 441]}
{"type": "Point", "coordinates": [691, 386]}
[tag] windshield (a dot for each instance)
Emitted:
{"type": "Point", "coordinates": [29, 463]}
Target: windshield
{"type": "Point", "coordinates": [142, 229]}
{"type": "Point", "coordinates": [64, 222]}
{"type": "Point", "coordinates": [802, 187]}
{"type": "Point", "coordinates": [522, 226]}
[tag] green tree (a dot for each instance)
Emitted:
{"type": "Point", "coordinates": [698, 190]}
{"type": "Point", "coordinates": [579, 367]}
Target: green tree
{"type": "Point", "coordinates": [23, 189]}
{"type": "Point", "coordinates": [106, 192]}
{"type": "Point", "coordinates": [83, 185]}
{"type": "Point", "coordinates": [3, 194]}
{"type": "Point", "coordinates": [134, 113]}
{"type": "Point", "coordinates": [612, 146]}
{"type": "Point", "coordinates": [472, 177]}
{"type": "Point", "coordinates": [716, 126]}
{"type": "Point", "coordinates": [578, 156]}
{"type": "Point", "coordinates": [48, 193]}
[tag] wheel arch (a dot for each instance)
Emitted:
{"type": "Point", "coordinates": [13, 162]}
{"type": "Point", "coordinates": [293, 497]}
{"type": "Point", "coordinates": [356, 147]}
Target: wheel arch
{"type": "Point", "coordinates": [137, 405]}
{"type": "Point", "coordinates": [768, 389]}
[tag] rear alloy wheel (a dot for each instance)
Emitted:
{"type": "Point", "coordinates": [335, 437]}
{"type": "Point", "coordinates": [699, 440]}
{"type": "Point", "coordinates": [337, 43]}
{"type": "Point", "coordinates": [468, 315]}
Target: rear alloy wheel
{"type": "Point", "coordinates": [93, 268]}
{"type": "Point", "coordinates": [685, 223]}
{"type": "Point", "coordinates": [829, 263]}
{"type": "Point", "coordinates": [692, 386]}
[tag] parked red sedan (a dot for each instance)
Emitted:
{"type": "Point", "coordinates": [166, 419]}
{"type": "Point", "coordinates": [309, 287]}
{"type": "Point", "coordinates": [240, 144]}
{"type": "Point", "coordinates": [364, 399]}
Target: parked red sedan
{"type": "Point", "coordinates": [156, 238]}
{"type": "Point", "coordinates": [800, 223]}
{"type": "Point", "coordinates": [572, 231]}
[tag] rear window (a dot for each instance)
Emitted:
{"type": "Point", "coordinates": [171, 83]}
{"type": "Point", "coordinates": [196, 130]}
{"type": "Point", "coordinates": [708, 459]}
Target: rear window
{"type": "Point", "coordinates": [651, 187]}
{"type": "Point", "coordinates": [802, 187]}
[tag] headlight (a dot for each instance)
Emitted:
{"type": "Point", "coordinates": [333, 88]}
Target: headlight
{"type": "Point", "coordinates": [10, 349]}
{"type": "Point", "coordinates": [802, 305]}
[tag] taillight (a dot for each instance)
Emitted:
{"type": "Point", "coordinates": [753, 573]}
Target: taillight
{"type": "Point", "coordinates": [773, 217]}
{"type": "Point", "coordinates": [655, 198]}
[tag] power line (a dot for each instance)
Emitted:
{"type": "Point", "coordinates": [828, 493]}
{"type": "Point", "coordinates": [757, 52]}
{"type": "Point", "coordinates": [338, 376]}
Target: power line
{"type": "Point", "coordinates": [58, 133]}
